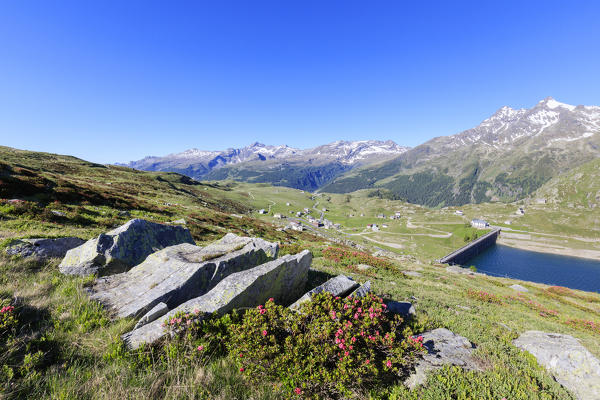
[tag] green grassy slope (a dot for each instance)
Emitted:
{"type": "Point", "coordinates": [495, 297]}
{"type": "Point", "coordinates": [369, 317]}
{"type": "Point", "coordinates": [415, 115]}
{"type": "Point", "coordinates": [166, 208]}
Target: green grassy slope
{"type": "Point", "coordinates": [434, 176]}
{"type": "Point", "coordinates": [67, 347]}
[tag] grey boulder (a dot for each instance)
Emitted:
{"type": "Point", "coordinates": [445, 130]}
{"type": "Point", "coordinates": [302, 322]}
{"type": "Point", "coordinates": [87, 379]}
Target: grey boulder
{"type": "Point", "coordinates": [442, 347]}
{"type": "Point", "coordinates": [571, 364]}
{"type": "Point", "coordinates": [340, 285]}
{"type": "Point", "coordinates": [362, 291]}
{"type": "Point", "coordinates": [158, 311]}
{"type": "Point", "coordinates": [43, 249]}
{"type": "Point", "coordinates": [403, 308]}
{"type": "Point", "coordinates": [519, 288]}
{"type": "Point", "coordinates": [179, 273]}
{"type": "Point", "coordinates": [281, 279]}
{"type": "Point", "coordinates": [122, 248]}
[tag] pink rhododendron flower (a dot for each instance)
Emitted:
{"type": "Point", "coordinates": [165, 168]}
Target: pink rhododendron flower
{"type": "Point", "coordinates": [264, 333]}
{"type": "Point", "coordinates": [298, 390]}
{"type": "Point", "coordinates": [388, 363]}
{"type": "Point", "coordinates": [200, 348]}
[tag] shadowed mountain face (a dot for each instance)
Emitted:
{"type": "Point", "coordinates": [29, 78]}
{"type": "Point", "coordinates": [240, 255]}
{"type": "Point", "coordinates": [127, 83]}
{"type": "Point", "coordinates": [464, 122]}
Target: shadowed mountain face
{"type": "Point", "coordinates": [282, 165]}
{"type": "Point", "coordinates": [506, 157]}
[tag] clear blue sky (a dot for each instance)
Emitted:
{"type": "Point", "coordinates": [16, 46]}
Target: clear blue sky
{"type": "Point", "coordinates": [117, 80]}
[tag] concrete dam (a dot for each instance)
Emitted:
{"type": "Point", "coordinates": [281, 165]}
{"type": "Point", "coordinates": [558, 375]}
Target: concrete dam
{"type": "Point", "coordinates": [470, 250]}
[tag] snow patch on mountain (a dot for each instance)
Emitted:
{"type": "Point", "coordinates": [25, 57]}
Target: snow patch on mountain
{"type": "Point", "coordinates": [202, 162]}
{"type": "Point", "coordinates": [558, 121]}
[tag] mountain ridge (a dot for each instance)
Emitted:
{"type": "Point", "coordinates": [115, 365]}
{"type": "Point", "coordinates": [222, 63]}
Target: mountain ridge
{"type": "Point", "coordinates": [302, 168]}
{"type": "Point", "coordinates": [508, 156]}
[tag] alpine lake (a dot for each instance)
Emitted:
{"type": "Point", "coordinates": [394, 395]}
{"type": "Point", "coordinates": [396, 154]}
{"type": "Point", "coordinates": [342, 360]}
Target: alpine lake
{"type": "Point", "coordinates": [551, 269]}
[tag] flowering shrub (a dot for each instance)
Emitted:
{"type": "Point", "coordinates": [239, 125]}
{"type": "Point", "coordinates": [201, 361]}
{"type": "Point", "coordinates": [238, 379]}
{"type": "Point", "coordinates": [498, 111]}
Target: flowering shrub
{"type": "Point", "coordinates": [484, 296]}
{"type": "Point", "coordinates": [328, 349]}
{"type": "Point", "coordinates": [204, 335]}
{"type": "Point", "coordinates": [8, 321]}
{"type": "Point", "coordinates": [584, 324]}
{"type": "Point", "coordinates": [559, 291]}
{"type": "Point", "coordinates": [535, 306]}
{"type": "Point", "coordinates": [348, 257]}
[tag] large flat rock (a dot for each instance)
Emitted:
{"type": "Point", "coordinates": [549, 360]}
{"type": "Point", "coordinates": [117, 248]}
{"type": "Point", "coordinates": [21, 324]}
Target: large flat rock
{"type": "Point", "coordinates": [340, 285]}
{"type": "Point", "coordinates": [282, 279]}
{"type": "Point", "coordinates": [179, 273]}
{"type": "Point", "coordinates": [43, 249]}
{"type": "Point", "coordinates": [122, 248]}
{"type": "Point", "coordinates": [571, 364]}
{"type": "Point", "coordinates": [442, 347]}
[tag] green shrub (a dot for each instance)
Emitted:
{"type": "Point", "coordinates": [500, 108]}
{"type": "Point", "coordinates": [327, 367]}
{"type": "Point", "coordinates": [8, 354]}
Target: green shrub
{"type": "Point", "coordinates": [331, 348]}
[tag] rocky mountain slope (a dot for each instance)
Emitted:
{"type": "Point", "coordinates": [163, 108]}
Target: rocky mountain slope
{"type": "Point", "coordinates": [577, 188]}
{"type": "Point", "coordinates": [281, 165]}
{"type": "Point", "coordinates": [507, 157]}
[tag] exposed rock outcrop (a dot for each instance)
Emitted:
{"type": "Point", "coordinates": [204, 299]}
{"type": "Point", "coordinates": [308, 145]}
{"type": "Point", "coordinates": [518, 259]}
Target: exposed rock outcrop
{"type": "Point", "coordinates": [179, 273]}
{"type": "Point", "coordinates": [282, 279]}
{"type": "Point", "coordinates": [571, 364]}
{"type": "Point", "coordinates": [122, 248]}
{"type": "Point", "coordinates": [363, 290]}
{"type": "Point", "coordinates": [403, 308]}
{"type": "Point", "coordinates": [156, 312]}
{"type": "Point", "coordinates": [43, 249]}
{"type": "Point", "coordinates": [443, 347]}
{"type": "Point", "coordinates": [340, 285]}
{"type": "Point", "coordinates": [519, 288]}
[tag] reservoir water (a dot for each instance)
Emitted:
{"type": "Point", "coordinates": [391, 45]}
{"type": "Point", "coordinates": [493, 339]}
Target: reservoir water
{"type": "Point", "coordinates": [551, 269]}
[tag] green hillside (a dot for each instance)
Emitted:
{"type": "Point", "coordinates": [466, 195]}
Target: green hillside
{"type": "Point", "coordinates": [578, 188]}
{"type": "Point", "coordinates": [426, 175]}
{"type": "Point", "coordinates": [64, 346]}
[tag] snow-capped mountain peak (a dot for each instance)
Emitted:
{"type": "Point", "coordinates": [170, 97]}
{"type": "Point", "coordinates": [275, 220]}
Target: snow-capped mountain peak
{"type": "Point", "coordinates": [549, 119]}
{"type": "Point", "coordinates": [552, 104]}
{"type": "Point", "coordinates": [199, 162]}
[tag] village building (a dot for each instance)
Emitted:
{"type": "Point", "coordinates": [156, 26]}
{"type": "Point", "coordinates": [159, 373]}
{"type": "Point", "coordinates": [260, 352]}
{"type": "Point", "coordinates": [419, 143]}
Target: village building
{"type": "Point", "coordinates": [262, 211]}
{"type": "Point", "coordinates": [278, 216]}
{"type": "Point", "coordinates": [458, 212]}
{"type": "Point", "coordinates": [479, 223]}
{"type": "Point", "coordinates": [296, 226]}
{"type": "Point", "coordinates": [520, 211]}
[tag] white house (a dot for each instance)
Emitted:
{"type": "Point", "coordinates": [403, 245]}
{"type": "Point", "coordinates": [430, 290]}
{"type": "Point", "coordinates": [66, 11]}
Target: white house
{"type": "Point", "coordinates": [479, 224]}
{"type": "Point", "coordinates": [262, 211]}
{"type": "Point", "coordinates": [458, 212]}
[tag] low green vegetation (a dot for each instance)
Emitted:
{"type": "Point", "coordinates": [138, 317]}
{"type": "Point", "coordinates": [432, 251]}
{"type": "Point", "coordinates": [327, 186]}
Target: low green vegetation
{"type": "Point", "coordinates": [58, 344]}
